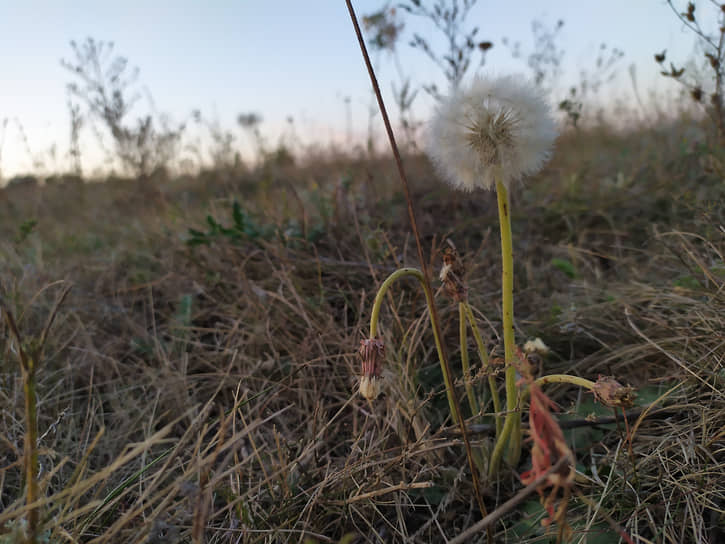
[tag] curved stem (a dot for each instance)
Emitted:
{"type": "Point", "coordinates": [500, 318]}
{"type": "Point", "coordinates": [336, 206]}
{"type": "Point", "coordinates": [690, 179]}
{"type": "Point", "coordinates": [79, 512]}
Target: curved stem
{"type": "Point", "coordinates": [483, 354]}
{"type": "Point", "coordinates": [463, 335]}
{"type": "Point", "coordinates": [564, 378]}
{"type": "Point", "coordinates": [558, 378]}
{"type": "Point", "coordinates": [392, 278]}
{"type": "Point", "coordinates": [375, 316]}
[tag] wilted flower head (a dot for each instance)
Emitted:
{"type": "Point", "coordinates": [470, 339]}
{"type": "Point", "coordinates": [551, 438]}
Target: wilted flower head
{"type": "Point", "coordinates": [609, 391]}
{"type": "Point", "coordinates": [372, 354]}
{"type": "Point", "coordinates": [497, 124]}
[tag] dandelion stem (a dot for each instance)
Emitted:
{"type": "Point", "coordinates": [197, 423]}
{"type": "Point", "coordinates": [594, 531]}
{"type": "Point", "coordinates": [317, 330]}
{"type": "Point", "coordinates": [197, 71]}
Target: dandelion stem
{"type": "Point", "coordinates": [512, 426]}
{"type": "Point", "coordinates": [565, 378]}
{"type": "Point", "coordinates": [463, 335]}
{"type": "Point", "coordinates": [375, 316]}
{"type": "Point", "coordinates": [483, 355]}
{"type": "Point", "coordinates": [559, 378]}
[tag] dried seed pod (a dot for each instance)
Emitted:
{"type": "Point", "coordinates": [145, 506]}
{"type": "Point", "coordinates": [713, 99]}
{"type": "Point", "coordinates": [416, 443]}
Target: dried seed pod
{"type": "Point", "coordinates": [714, 61]}
{"type": "Point", "coordinates": [452, 274]}
{"type": "Point", "coordinates": [690, 14]}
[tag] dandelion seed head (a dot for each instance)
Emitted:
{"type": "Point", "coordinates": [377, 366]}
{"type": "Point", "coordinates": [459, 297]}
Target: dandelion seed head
{"type": "Point", "coordinates": [496, 126]}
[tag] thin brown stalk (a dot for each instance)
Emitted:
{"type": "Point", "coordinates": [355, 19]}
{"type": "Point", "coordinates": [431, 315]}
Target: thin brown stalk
{"type": "Point", "coordinates": [423, 263]}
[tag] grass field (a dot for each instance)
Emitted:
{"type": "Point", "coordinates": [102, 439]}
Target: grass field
{"type": "Point", "coordinates": [201, 385]}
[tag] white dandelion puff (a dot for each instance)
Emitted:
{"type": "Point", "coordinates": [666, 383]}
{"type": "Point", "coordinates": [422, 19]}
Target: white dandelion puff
{"type": "Point", "coordinates": [497, 127]}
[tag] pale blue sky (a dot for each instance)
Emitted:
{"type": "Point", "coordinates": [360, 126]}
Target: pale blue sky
{"type": "Point", "coordinates": [279, 58]}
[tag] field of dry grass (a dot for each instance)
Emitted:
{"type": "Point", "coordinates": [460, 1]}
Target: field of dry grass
{"type": "Point", "coordinates": [200, 385]}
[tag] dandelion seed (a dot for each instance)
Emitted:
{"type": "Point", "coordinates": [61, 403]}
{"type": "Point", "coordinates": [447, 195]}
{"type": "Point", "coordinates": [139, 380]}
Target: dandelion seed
{"type": "Point", "coordinates": [496, 127]}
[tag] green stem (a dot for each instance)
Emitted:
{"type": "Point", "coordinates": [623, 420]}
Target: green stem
{"type": "Point", "coordinates": [512, 426]}
{"type": "Point", "coordinates": [483, 355]}
{"type": "Point", "coordinates": [557, 378]}
{"type": "Point", "coordinates": [375, 316]}
{"type": "Point", "coordinates": [462, 329]}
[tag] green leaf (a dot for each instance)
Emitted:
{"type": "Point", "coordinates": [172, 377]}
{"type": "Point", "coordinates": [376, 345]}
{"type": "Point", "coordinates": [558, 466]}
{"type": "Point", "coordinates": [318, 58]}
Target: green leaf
{"type": "Point", "coordinates": [565, 266]}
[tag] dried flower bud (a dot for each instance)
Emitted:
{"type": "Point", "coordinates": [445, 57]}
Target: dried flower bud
{"type": "Point", "coordinates": [690, 15]}
{"type": "Point", "coordinates": [714, 61]}
{"type": "Point", "coordinates": [696, 94]}
{"type": "Point", "coordinates": [610, 392]}
{"type": "Point", "coordinates": [660, 57]}
{"type": "Point", "coordinates": [674, 72]}
{"type": "Point", "coordinates": [452, 274]}
{"type": "Point", "coordinates": [372, 354]}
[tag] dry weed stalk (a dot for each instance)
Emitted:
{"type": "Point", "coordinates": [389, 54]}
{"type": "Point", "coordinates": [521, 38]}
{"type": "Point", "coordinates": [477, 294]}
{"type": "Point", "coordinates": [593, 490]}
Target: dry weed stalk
{"type": "Point", "coordinates": [30, 355]}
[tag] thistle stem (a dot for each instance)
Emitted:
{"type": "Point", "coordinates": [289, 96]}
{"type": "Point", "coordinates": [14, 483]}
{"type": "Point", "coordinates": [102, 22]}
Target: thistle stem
{"type": "Point", "coordinates": [463, 335]}
{"type": "Point", "coordinates": [511, 433]}
{"type": "Point", "coordinates": [483, 355]}
{"type": "Point", "coordinates": [375, 316]}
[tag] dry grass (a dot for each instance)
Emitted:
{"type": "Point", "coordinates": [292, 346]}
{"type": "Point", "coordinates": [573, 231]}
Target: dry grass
{"type": "Point", "coordinates": [207, 393]}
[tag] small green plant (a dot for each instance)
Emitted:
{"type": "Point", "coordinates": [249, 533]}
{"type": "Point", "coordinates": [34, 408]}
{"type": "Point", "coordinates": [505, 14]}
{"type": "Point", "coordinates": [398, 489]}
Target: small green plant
{"type": "Point", "coordinates": [245, 228]}
{"type": "Point", "coordinates": [242, 228]}
{"type": "Point", "coordinates": [25, 229]}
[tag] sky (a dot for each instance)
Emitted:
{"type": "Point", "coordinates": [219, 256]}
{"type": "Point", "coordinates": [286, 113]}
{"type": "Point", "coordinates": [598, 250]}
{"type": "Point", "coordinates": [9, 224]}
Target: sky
{"type": "Point", "coordinates": [281, 59]}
